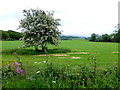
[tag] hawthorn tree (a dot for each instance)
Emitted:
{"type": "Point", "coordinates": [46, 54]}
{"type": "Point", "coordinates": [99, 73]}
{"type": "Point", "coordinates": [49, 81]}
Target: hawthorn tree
{"type": "Point", "coordinates": [39, 28]}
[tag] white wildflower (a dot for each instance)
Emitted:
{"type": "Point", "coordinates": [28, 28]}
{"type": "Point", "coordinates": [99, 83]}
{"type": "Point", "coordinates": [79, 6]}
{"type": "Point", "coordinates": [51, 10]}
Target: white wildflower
{"type": "Point", "coordinates": [35, 62]}
{"type": "Point", "coordinates": [37, 72]}
{"type": "Point", "coordinates": [54, 81]}
{"type": "Point", "coordinates": [44, 61]}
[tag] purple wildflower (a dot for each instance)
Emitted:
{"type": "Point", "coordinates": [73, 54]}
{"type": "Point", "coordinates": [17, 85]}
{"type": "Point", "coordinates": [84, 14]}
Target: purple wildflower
{"type": "Point", "coordinates": [18, 64]}
{"type": "Point", "coordinates": [8, 65]}
{"type": "Point", "coordinates": [17, 68]}
{"type": "Point", "coordinates": [20, 71]}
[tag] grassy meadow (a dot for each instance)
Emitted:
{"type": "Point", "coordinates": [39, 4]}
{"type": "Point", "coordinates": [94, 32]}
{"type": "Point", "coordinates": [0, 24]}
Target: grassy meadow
{"type": "Point", "coordinates": [68, 60]}
{"type": "Point", "coordinates": [105, 52]}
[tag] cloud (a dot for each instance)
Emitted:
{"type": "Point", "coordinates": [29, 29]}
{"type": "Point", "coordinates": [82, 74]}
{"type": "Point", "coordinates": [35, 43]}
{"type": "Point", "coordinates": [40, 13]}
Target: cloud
{"type": "Point", "coordinates": [9, 25]}
{"type": "Point", "coordinates": [78, 17]}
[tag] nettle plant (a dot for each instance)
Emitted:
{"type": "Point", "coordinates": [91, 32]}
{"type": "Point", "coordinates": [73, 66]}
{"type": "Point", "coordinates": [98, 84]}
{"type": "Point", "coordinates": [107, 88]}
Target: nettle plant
{"type": "Point", "coordinates": [13, 69]}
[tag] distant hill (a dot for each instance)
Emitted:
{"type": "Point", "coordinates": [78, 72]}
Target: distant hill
{"type": "Point", "coordinates": [10, 35]}
{"type": "Point", "coordinates": [13, 35]}
{"type": "Point", "coordinates": [65, 37]}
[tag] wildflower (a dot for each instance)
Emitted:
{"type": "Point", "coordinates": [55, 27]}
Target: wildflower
{"type": "Point", "coordinates": [17, 68]}
{"type": "Point", "coordinates": [37, 72]}
{"type": "Point", "coordinates": [35, 62]}
{"type": "Point", "coordinates": [20, 71]}
{"type": "Point", "coordinates": [44, 61]}
{"type": "Point", "coordinates": [8, 65]}
{"type": "Point", "coordinates": [54, 81]}
{"type": "Point", "coordinates": [16, 63]}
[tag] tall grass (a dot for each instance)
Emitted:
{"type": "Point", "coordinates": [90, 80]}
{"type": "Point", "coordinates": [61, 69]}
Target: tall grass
{"type": "Point", "coordinates": [53, 76]}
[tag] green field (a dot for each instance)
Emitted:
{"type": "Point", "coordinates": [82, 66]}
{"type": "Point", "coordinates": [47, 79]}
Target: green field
{"type": "Point", "coordinates": [105, 52]}
{"type": "Point", "coordinates": [69, 53]}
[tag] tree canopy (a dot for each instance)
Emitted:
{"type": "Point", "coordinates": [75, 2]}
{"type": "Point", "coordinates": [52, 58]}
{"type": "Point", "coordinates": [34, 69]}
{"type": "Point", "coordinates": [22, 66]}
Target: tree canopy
{"type": "Point", "coordinates": [39, 28]}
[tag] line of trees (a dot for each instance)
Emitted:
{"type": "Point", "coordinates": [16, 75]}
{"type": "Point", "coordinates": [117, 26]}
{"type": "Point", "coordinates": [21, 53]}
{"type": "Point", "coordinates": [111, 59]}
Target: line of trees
{"type": "Point", "coordinates": [10, 35]}
{"type": "Point", "coordinates": [114, 37]}
{"type": "Point", "coordinates": [69, 37]}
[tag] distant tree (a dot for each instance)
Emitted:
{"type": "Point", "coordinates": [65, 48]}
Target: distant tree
{"type": "Point", "coordinates": [98, 38]}
{"type": "Point", "coordinates": [112, 36]}
{"type": "Point", "coordinates": [117, 35]}
{"type": "Point", "coordinates": [5, 35]}
{"type": "Point", "coordinates": [106, 38]}
{"type": "Point", "coordinates": [39, 28]}
{"type": "Point", "coordinates": [14, 35]}
{"type": "Point", "coordinates": [0, 34]}
{"type": "Point", "coordinates": [93, 37]}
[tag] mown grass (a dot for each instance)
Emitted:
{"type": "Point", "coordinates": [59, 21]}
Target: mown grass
{"type": "Point", "coordinates": [11, 44]}
{"type": "Point", "coordinates": [105, 53]}
{"type": "Point", "coordinates": [102, 50]}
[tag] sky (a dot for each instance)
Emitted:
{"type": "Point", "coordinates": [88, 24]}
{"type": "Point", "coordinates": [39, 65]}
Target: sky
{"type": "Point", "coordinates": [78, 17]}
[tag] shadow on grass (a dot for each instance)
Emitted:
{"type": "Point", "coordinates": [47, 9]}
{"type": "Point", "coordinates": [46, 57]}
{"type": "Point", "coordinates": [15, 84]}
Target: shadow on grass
{"type": "Point", "coordinates": [23, 51]}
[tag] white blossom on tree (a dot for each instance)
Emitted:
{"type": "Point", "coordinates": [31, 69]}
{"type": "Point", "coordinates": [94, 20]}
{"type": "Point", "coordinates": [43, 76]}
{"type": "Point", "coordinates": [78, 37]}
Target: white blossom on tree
{"type": "Point", "coordinates": [39, 28]}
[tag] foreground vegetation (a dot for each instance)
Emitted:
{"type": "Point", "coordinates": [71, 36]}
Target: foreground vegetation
{"type": "Point", "coordinates": [73, 64]}
{"type": "Point", "coordinates": [51, 76]}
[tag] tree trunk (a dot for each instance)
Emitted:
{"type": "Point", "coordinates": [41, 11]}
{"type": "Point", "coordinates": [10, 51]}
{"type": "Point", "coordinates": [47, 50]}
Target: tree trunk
{"type": "Point", "coordinates": [36, 48]}
{"type": "Point", "coordinates": [44, 48]}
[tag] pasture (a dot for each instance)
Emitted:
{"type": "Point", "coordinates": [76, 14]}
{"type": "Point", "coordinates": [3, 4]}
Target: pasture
{"type": "Point", "coordinates": [69, 53]}
{"type": "Point", "coordinates": [105, 52]}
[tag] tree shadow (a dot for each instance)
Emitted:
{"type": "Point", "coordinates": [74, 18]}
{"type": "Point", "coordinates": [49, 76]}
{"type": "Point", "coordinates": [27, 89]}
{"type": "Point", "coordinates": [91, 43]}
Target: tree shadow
{"type": "Point", "coordinates": [23, 51]}
{"type": "Point", "coordinates": [58, 50]}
